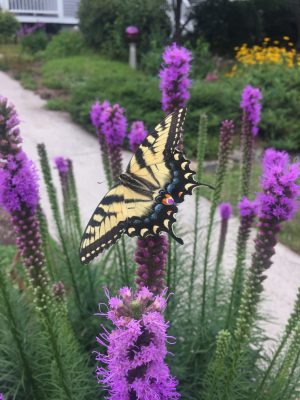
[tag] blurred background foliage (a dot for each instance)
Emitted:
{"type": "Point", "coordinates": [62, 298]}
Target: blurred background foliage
{"type": "Point", "coordinates": [73, 68]}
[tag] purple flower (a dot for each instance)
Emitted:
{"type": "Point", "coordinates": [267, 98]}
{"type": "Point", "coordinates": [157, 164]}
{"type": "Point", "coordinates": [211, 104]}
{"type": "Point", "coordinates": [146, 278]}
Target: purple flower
{"type": "Point", "coordinates": [2, 396]}
{"type": "Point", "coordinates": [174, 77]}
{"type": "Point", "coordinates": [133, 366]}
{"type": "Point", "coordinates": [151, 256]}
{"type": "Point", "coordinates": [137, 134]}
{"type": "Point", "coordinates": [19, 196]}
{"type": "Point", "coordinates": [132, 30]}
{"type": "Point", "coordinates": [96, 112]}
{"type": "Point", "coordinates": [247, 207]}
{"type": "Point", "coordinates": [280, 190]}
{"type": "Point", "coordinates": [251, 105]}
{"type": "Point", "coordinates": [18, 184]}
{"type": "Point", "coordinates": [10, 140]}
{"type": "Point", "coordinates": [225, 210]}
{"type": "Point", "coordinates": [110, 121]}
{"type": "Point", "coordinates": [62, 165]}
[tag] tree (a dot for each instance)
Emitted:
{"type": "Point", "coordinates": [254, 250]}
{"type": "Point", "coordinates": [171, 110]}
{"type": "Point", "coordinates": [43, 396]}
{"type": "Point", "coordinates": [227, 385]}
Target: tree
{"type": "Point", "coordinates": [8, 25]}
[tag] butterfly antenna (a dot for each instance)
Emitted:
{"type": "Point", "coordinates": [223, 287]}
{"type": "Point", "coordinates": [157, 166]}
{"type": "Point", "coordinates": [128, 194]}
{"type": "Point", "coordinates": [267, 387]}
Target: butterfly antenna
{"type": "Point", "coordinates": [207, 185]}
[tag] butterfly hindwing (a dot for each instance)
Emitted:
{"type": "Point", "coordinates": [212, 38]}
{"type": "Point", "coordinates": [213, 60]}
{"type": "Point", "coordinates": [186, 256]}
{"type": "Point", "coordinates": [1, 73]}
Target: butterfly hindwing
{"type": "Point", "coordinates": [162, 215]}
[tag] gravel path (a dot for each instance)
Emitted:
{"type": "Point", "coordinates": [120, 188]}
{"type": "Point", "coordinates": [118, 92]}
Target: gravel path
{"type": "Point", "coordinates": [63, 137]}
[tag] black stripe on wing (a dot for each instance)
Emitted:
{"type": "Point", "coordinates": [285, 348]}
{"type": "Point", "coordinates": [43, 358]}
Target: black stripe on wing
{"type": "Point", "coordinates": [176, 130]}
{"type": "Point", "coordinates": [96, 237]}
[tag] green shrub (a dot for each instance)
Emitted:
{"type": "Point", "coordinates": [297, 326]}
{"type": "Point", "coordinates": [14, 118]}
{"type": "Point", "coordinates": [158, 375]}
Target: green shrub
{"type": "Point", "coordinates": [103, 24]}
{"type": "Point", "coordinates": [8, 26]}
{"type": "Point", "coordinates": [65, 44]}
{"type": "Point", "coordinates": [35, 42]}
{"type": "Point", "coordinates": [86, 79]}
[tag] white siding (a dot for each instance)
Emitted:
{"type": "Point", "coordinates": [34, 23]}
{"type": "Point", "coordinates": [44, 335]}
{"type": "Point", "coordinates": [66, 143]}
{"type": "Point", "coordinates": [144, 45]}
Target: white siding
{"type": "Point", "coordinates": [47, 11]}
{"type": "Point", "coordinates": [70, 8]}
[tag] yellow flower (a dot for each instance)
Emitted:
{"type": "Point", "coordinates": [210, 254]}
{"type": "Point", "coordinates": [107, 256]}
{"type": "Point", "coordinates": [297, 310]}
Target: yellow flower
{"type": "Point", "coordinates": [286, 38]}
{"type": "Point", "coordinates": [276, 41]}
{"type": "Point", "coordinates": [267, 39]}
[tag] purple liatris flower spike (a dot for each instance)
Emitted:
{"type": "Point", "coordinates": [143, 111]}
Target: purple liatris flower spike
{"type": "Point", "coordinates": [248, 208]}
{"type": "Point", "coordinates": [95, 114]}
{"type": "Point", "coordinates": [277, 203]}
{"type": "Point", "coordinates": [133, 367]}
{"type": "Point", "coordinates": [251, 105]}
{"type": "Point", "coordinates": [62, 165]}
{"type": "Point", "coordinates": [225, 210]}
{"type": "Point", "coordinates": [137, 134]}
{"type": "Point", "coordinates": [174, 77]}
{"type": "Point", "coordinates": [111, 122]}
{"type": "Point", "coordinates": [151, 257]}
{"type": "Point", "coordinates": [19, 196]}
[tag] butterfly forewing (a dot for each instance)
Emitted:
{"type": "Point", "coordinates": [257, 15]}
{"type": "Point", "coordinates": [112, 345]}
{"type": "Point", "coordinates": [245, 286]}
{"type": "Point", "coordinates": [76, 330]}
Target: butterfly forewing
{"type": "Point", "coordinates": [105, 226]}
{"type": "Point", "coordinates": [160, 143]}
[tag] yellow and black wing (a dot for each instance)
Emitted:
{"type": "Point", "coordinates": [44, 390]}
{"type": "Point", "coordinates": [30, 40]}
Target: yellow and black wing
{"type": "Point", "coordinates": [109, 220]}
{"type": "Point", "coordinates": [162, 172]}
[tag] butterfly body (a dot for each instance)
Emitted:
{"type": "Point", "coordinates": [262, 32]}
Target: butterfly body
{"type": "Point", "coordinates": [144, 200]}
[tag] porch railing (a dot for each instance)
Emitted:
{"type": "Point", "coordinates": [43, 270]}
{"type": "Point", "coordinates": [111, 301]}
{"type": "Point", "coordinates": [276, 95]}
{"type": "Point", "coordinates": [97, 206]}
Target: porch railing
{"type": "Point", "coordinates": [46, 7]}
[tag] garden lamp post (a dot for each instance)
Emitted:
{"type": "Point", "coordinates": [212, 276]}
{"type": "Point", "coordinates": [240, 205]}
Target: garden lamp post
{"type": "Point", "coordinates": [132, 35]}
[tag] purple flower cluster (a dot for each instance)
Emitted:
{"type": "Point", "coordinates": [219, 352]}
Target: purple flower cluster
{"type": "Point", "coordinates": [132, 30]}
{"type": "Point", "coordinates": [19, 196]}
{"type": "Point", "coordinates": [251, 105]}
{"type": "Point", "coordinates": [280, 190]}
{"type": "Point", "coordinates": [18, 183]}
{"type": "Point", "coordinates": [277, 203]}
{"type": "Point", "coordinates": [225, 210]}
{"type": "Point", "coordinates": [137, 134]}
{"type": "Point", "coordinates": [2, 396]}
{"type": "Point", "coordinates": [109, 121]}
{"type": "Point", "coordinates": [62, 164]}
{"type": "Point", "coordinates": [247, 208]}
{"type": "Point", "coordinates": [151, 257]}
{"type": "Point", "coordinates": [10, 140]}
{"type": "Point", "coordinates": [134, 362]}
{"type": "Point", "coordinates": [132, 33]}
{"type": "Point", "coordinates": [27, 30]}
{"type": "Point", "coordinates": [174, 77]}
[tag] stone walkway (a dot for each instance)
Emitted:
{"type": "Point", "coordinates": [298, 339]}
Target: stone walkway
{"type": "Point", "coordinates": [63, 137]}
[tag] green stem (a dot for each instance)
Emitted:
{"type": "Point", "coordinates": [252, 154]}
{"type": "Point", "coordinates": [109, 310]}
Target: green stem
{"type": "Point", "coordinates": [126, 270]}
{"type": "Point", "coordinates": [202, 139]}
{"type": "Point", "coordinates": [169, 272]}
{"type": "Point", "coordinates": [294, 367]}
{"type": "Point", "coordinates": [57, 218]}
{"type": "Point", "coordinates": [56, 353]}
{"type": "Point", "coordinates": [270, 367]}
{"type": "Point", "coordinates": [16, 336]}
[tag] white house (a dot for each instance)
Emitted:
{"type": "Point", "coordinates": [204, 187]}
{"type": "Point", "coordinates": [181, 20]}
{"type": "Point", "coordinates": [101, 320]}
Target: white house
{"type": "Point", "coordinates": [46, 11]}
